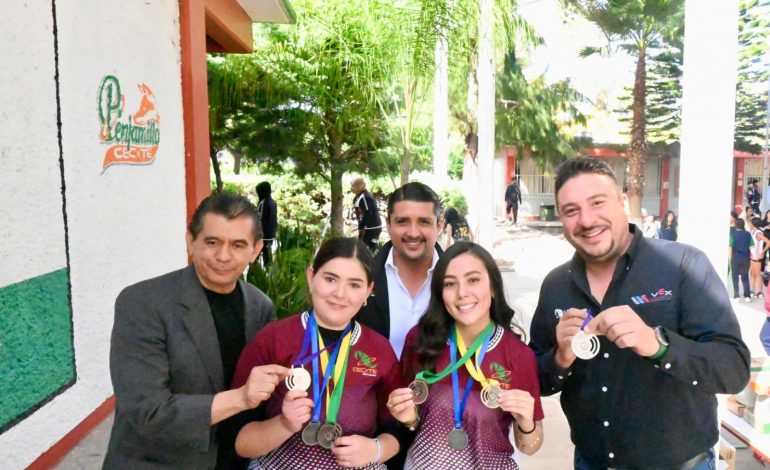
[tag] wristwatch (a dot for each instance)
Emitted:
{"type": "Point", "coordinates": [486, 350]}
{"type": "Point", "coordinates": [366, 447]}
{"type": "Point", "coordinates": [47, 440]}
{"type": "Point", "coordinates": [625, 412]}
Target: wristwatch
{"type": "Point", "coordinates": [662, 338]}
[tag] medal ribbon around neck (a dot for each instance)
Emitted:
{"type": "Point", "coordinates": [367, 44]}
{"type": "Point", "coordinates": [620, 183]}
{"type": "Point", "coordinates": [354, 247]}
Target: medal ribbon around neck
{"type": "Point", "coordinates": [319, 386]}
{"type": "Point", "coordinates": [430, 377]}
{"type": "Point", "coordinates": [304, 357]}
{"type": "Point", "coordinates": [474, 368]}
{"type": "Point", "coordinates": [299, 378]}
{"type": "Point", "coordinates": [340, 371]}
{"type": "Point", "coordinates": [457, 404]}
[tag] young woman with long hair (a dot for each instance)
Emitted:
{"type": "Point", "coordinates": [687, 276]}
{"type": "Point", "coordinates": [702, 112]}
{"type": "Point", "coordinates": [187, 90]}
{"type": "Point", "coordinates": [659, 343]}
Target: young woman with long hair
{"type": "Point", "coordinates": [485, 393]}
{"type": "Point", "coordinates": [331, 411]}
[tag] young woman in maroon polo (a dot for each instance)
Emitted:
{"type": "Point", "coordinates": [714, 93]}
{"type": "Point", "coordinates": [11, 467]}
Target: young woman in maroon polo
{"type": "Point", "coordinates": [339, 281]}
{"type": "Point", "coordinates": [467, 294]}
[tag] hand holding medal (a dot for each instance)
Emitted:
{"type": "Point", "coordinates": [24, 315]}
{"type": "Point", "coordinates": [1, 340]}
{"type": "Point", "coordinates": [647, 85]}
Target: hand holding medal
{"type": "Point", "coordinates": [316, 432]}
{"type": "Point", "coordinates": [402, 406]}
{"type": "Point", "coordinates": [520, 404]}
{"type": "Point", "coordinates": [296, 409]}
{"type": "Point", "coordinates": [585, 345]}
{"type": "Point", "coordinates": [419, 385]}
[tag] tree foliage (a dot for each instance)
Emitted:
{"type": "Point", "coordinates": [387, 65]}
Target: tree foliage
{"type": "Point", "coordinates": [534, 116]}
{"type": "Point", "coordinates": [313, 91]}
{"type": "Point", "coordinates": [635, 27]}
{"type": "Point", "coordinates": [753, 71]}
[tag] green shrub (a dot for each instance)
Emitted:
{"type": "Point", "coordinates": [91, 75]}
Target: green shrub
{"type": "Point", "coordinates": [285, 281]}
{"type": "Point", "coordinates": [453, 197]}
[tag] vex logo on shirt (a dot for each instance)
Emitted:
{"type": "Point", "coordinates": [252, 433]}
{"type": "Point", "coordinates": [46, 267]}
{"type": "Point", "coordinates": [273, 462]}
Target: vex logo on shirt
{"type": "Point", "coordinates": [366, 364]}
{"type": "Point", "coordinates": [499, 373]}
{"type": "Point", "coordinates": [660, 295]}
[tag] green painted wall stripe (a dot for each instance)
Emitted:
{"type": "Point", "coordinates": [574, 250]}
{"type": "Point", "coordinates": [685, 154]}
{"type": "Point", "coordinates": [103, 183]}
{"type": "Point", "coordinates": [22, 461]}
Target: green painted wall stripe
{"type": "Point", "coordinates": [36, 351]}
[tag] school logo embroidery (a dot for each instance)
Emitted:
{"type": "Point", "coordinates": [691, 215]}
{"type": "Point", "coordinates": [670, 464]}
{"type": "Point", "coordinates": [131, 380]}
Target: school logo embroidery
{"type": "Point", "coordinates": [661, 295]}
{"type": "Point", "coordinates": [366, 364]}
{"type": "Point", "coordinates": [499, 373]}
{"type": "Point", "coordinates": [135, 139]}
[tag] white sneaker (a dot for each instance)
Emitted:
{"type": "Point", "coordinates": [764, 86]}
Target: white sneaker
{"type": "Point", "coordinates": [747, 299]}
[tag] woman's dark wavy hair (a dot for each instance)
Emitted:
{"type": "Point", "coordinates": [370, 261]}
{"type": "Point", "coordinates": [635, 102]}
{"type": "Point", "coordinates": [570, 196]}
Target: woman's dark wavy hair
{"type": "Point", "coordinates": [674, 222]}
{"type": "Point", "coordinates": [435, 324]}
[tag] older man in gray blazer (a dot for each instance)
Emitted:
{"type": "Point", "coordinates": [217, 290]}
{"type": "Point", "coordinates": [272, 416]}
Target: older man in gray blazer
{"type": "Point", "coordinates": [175, 343]}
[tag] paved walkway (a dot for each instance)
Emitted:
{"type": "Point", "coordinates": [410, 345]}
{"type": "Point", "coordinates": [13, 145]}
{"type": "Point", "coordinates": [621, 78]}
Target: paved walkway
{"type": "Point", "coordinates": [525, 256]}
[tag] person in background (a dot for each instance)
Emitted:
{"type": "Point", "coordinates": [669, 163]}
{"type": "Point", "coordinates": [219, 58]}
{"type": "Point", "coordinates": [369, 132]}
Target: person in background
{"type": "Point", "coordinates": [442, 235]}
{"type": "Point", "coordinates": [764, 333]}
{"type": "Point", "coordinates": [741, 243]}
{"type": "Point", "coordinates": [758, 250]}
{"type": "Point", "coordinates": [649, 225]}
{"type": "Point", "coordinates": [456, 227]}
{"type": "Point", "coordinates": [268, 214]}
{"type": "Point", "coordinates": [668, 229]}
{"type": "Point", "coordinates": [754, 195]}
{"type": "Point", "coordinates": [367, 213]}
{"type": "Point", "coordinates": [512, 201]}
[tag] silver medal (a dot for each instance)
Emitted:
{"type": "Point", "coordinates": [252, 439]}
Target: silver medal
{"type": "Point", "coordinates": [458, 439]}
{"type": "Point", "coordinates": [298, 379]}
{"type": "Point", "coordinates": [585, 345]}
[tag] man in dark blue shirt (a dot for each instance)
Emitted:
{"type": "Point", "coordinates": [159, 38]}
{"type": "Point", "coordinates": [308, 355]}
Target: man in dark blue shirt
{"type": "Point", "coordinates": [667, 335]}
{"type": "Point", "coordinates": [741, 242]}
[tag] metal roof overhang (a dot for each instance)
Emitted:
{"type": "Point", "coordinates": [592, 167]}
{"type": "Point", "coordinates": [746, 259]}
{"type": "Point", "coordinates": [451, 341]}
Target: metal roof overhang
{"type": "Point", "coordinates": [228, 22]}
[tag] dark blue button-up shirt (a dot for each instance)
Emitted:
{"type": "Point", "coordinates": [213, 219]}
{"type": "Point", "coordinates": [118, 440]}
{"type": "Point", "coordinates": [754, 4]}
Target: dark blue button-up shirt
{"type": "Point", "coordinates": [626, 411]}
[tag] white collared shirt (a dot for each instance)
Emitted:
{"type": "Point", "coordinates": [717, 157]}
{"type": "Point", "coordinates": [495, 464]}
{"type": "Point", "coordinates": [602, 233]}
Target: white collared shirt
{"type": "Point", "coordinates": [405, 310]}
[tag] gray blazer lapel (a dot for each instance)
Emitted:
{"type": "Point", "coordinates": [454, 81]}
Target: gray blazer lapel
{"type": "Point", "coordinates": [252, 321]}
{"type": "Point", "coordinates": [200, 324]}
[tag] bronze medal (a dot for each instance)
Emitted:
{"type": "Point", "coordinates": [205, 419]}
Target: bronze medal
{"type": "Point", "coordinates": [490, 396]}
{"type": "Point", "coordinates": [327, 434]}
{"type": "Point", "coordinates": [310, 434]}
{"type": "Point", "coordinates": [419, 391]}
{"type": "Point", "coordinates": [458, 439]}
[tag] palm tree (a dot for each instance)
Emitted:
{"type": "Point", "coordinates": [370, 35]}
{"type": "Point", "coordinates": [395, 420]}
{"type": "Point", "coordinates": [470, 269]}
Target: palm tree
{"type": "Point", "coordinates": [634, 26]}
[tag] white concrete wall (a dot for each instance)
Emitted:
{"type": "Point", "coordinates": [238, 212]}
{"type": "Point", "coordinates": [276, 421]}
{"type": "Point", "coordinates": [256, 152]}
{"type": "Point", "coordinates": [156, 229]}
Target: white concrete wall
{"type": "Point", "coordinates": [708, 109]}
{"type": "Point", "coordinates": [126, 223]}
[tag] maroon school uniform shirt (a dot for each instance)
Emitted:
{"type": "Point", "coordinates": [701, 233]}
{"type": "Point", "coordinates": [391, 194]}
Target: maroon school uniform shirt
{"type": "Point", "coordinates": [372, 373]}
{"type": "Point", "coordinates": [509, 361]}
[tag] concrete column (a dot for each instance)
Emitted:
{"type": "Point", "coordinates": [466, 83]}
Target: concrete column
{"type": "Point", "coordinates": [708, 121]}
{"type": "Point", "coordinates": [486, 123]}
{"type": "Point", "coordinates": [441, 110]}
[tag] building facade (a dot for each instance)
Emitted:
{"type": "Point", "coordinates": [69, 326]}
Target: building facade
{"type": "Point", "coordinates": [104, 154]}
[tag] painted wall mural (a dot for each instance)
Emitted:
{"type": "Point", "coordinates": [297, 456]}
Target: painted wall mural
{"type": "Point", "coordinates": [135, 139]}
